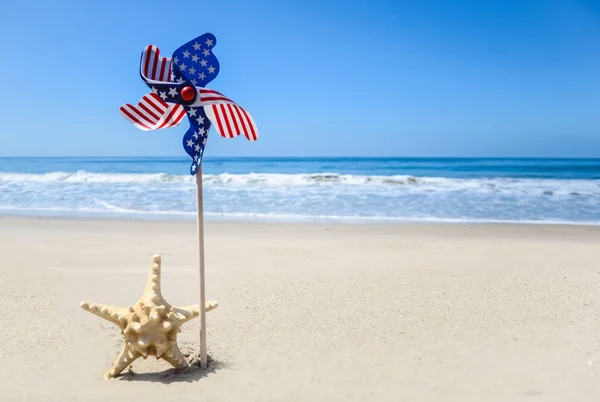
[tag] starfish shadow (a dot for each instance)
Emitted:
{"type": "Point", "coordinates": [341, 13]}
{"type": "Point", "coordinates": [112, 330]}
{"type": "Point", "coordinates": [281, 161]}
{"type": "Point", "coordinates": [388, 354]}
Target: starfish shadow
{"type": "Point", "coordinates": [190, 374]}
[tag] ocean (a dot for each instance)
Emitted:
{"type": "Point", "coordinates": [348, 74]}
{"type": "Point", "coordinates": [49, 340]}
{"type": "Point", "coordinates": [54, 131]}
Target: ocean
{"type": "Point", "coordinates": [353, 190]}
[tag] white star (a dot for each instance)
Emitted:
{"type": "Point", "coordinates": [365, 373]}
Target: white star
{"type": "Point", "coordinates": [196, 158]}
{"type": "Point", "coordinates": [192, 70]}
{"type": "Point", "coordinates": [209, 42]}
{"type": "Point", "coordinates": [202, 130]}
{"type": "Point", "coordinates": [195, 58]}
{"type": "Point", "coordinates": [192, 111]}
{"type": "Point", "coordinates": [196, 46]}
{"type": "Point", "coordinates": [182, 67]}
{"type": "Point", "coordinates": [186, 54]}
{"type": "Point", "coordinates": [180, 80]}
{"type": "Point", "coordinates": [193, 82]}
{"type": "Point", "coordinates": [195, 136]}
{"type": "Point", "coordinates": [211, 70]}
{"type": "Point", "coordinates": [193, 168]}
{"type": "Point", "coordinates": [173, 92]}
{"type": "Point", "coordinates": [175, 60]}
{"type": "Point", "coordinates": [197, 148]}
{"type": "Point", "coordinates": [206, 52]}
{"type": "Point", "coordinates": [203, 63]}
{"type": "Point", "coordinates": [154, 90]}
{"type": "Point", "coordinates": [202, 76]}
{"type": "Point", "coordinates": [190, 143]}
{"type": "Point", "coordinates": [200, 120]}
{"type": "Point", "coordinates": [163, 95]}
{"type": "Point", "coordinates": [204, 141]}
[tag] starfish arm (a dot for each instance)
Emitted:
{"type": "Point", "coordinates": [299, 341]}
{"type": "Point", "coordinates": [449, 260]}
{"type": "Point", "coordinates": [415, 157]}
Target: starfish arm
{"type": "Point", "coordinates": [125, 358]}
{"type": "Point", "coordinates": [153, 282]}
{"type": "Point", "coordinates": [116, 315]}
{"type": "Point", "coordinates": [184, 314]}
{"type": "Point", "coordinates": [211, 305]}
{"type": "Point", "coordinates": [175, 358]}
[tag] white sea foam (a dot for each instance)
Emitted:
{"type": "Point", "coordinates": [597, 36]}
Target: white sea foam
{"type": "Point", "coordinates": [87, 177]}
{"type": "Point", "coordinates": [546, 187]}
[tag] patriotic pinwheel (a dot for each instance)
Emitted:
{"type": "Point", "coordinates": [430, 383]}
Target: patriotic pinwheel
{"type": "Point", "coordinates": [178, 89]}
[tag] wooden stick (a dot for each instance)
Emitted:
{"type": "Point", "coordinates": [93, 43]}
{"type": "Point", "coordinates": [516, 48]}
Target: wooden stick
{"type": "Point", "coordinates": [200, 229]}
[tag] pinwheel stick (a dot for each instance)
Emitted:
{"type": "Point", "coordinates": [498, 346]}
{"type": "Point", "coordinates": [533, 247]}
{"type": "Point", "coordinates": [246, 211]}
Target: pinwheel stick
{"type": "Point", "coordinates": [200, 228]}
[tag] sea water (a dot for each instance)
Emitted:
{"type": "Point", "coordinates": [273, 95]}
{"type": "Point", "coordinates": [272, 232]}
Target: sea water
{"type": "Point", "coordinates": [308, 189]}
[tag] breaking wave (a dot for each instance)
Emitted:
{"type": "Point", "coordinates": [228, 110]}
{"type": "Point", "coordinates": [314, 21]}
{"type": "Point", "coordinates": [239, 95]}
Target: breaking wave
{"type": "Point", "coordinates": [223, 178]}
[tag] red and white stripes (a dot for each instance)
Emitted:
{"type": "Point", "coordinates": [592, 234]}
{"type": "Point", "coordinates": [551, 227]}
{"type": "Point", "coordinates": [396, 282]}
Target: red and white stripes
{"type": "Point", "coordinates": [152, 113]}
{"type": "Point", "coordinates": [153, 67]}
{"type": "Point", "coordinates": [229, 118]}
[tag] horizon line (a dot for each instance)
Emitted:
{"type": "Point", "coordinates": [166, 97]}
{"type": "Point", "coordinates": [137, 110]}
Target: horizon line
{"type": "Point", "coordinates": [298, 157]}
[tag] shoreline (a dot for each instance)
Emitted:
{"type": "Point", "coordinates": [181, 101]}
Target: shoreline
{"type": "Point", "coordinates": [262, 220]}
{"type": "Point", "coordinates": [436, 229]}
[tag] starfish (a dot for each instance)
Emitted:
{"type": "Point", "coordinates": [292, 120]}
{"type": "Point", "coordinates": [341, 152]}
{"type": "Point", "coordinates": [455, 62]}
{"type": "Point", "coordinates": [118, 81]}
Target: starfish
{"type": "Point", "coordinates": [150, 326]}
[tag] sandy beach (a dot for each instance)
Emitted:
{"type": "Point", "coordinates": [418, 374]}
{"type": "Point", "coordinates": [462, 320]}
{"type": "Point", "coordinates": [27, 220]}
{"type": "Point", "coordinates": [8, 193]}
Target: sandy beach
{"type": "Point", "coordinates": [309, 312]}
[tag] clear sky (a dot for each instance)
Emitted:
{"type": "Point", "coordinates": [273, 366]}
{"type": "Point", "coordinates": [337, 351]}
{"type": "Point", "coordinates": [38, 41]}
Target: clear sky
{"type": "Point", "coordinates": [321, 78]}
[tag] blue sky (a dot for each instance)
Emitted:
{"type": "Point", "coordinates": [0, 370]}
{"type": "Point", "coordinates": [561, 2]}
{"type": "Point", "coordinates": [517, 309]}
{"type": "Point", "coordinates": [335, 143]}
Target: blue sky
{"type": "Point", "coordinates": [321, 78]}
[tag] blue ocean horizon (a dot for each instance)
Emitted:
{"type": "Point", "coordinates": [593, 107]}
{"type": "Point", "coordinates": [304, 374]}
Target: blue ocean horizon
{"type": "Point", "coordinates": [344, 189]}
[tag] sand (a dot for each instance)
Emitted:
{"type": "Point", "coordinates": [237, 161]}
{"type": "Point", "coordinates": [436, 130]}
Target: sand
{"type": "Point", "coordinates": [309, 312]}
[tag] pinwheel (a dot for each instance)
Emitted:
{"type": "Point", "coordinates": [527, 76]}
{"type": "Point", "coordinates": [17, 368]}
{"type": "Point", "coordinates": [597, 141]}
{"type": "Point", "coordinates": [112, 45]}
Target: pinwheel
{"type": "Point", "coordinates": [178, 85]}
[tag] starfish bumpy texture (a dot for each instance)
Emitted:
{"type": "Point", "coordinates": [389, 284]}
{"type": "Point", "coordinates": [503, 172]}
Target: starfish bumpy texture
{"type": "Point", "coordinates": [150, 326]}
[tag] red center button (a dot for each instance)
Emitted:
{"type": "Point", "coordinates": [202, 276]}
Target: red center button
{"type": "Point", "coordinates": [188, 93]}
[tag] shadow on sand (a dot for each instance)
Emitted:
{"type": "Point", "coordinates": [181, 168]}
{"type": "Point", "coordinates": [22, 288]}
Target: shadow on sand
{"type": "Point", "coordinates": [191, 374]}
